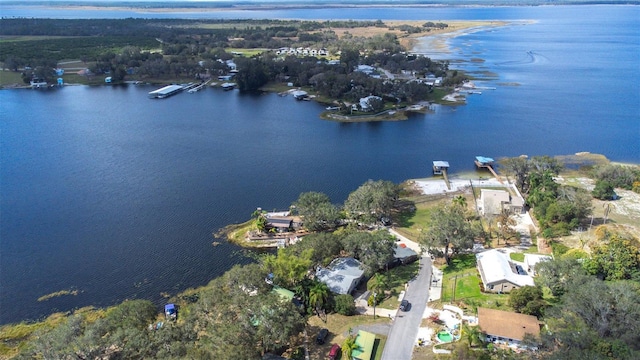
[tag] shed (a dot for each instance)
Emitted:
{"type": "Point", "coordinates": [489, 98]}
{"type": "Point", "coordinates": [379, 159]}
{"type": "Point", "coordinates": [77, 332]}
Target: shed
{"type": "Point", "coordinates": [364, 342]}
{"type": "Point", "coordinates": [170, 311]}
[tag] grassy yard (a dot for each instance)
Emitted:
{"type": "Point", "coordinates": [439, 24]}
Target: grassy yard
{"type": "Point", "coordinates": [462, 274]}
{"type": "Point", "coordinates": [517, 256]}
{"type": "Point", "coordinates": [339, 326]}
{"type": "Point", "coordinates": [412, 224]}
{"type": "Point", "coordinates": [10, 77]}
{"type": "Point", "coordinates": [397, 278]}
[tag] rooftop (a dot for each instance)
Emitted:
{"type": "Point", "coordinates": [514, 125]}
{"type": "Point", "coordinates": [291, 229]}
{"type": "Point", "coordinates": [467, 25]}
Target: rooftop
{"type": "Point", "coordinates": [496, 268]}
{"type": "Point", "coordinates": [365, 341]}
{"type": "Point", "coordinates": [507, 324]}
{"type": "Point", "coordinates": [441, 164]}
{"type": "Point", "coordinates": [342, 275]}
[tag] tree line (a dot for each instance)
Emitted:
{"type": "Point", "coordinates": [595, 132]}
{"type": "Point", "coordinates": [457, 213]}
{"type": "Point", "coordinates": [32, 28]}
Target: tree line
{"type": "Point", "coordinates": [124, 50]}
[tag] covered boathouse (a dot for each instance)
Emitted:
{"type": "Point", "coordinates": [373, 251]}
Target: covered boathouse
{"type": "Point", "coordinates": [439, 167]}
{"type": "Point", "coordinates": [165, 91]}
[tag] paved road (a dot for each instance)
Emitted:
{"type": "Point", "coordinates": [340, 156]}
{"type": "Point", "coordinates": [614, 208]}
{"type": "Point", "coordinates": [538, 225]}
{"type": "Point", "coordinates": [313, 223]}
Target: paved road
{"type": "Point", "coordinates": [404, 330]}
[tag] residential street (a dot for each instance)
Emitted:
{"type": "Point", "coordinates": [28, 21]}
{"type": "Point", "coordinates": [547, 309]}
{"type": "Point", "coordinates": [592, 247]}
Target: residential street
{"type": "Point", "coordinates": [404, 330]}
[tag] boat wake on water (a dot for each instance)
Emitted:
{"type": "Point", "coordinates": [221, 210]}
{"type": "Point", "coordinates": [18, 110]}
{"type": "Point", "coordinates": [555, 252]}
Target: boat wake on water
{"type": "Point", "coordinates": [531, 57]}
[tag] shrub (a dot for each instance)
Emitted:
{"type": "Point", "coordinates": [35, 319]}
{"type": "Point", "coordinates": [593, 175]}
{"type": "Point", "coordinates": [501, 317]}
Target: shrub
{"type": "Point", "coordinates": [558, 249]}
{"type": "Point", "coordinates": [344, 305]}
{"type": "Point", "coordinates": [603, 190]}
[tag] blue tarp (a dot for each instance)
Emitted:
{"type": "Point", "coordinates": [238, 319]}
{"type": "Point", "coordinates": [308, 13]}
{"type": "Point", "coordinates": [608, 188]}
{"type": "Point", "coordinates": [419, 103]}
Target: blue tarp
{"type": "Point", "coordinates": [484, 160]}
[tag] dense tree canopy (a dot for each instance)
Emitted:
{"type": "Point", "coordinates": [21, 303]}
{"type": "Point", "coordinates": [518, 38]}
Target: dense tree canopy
{"type": "Point", "coordinates": [318, 211]}
{"type": "Point", "coordinates": [527, 300]}
{"type": "Point", "coordinates": [449, 232]}
{"type": "Point", "coordinates": [372, 201]}
{"type": "Point", "coordinates": [616, 259]}
{"type": "Point", "coordinates": [373, 249]}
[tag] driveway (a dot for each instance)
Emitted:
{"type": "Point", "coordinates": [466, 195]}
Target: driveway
{"type": "Point", "coordinates": [404, 330]}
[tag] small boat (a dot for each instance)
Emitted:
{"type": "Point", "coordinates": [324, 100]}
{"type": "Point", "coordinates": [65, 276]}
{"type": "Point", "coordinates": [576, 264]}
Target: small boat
{"type": "Point", "coordinates": [228, 86]}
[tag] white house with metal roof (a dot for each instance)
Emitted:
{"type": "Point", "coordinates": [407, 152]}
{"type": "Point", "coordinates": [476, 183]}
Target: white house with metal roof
{"type": "Point", "coordinates": [499, 273]}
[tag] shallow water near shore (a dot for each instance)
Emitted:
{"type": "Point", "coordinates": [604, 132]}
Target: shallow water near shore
{"type": "Point", "coordinates": [115, 195]}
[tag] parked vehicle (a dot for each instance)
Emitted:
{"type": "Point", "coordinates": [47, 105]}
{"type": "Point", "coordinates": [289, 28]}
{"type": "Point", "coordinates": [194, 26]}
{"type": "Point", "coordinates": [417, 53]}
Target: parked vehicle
{"type": "Point", "coordinates": [322, 336]}
{"type": "Point", "coordinates": [520, 270]}
{"type": "Point", "coordinates": [334, 353]}
{"type": "Point", "coordinates": [405, 305]}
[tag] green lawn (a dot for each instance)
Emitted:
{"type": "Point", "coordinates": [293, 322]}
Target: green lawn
{"type": "Point", "coordinates": [462, 274]}
{"type": "Point", "coordinates": [10, 77]}
{"type": "Point", "coordinates": [517, 256]}
{"type": "Point", "coordinates": [397, 278]}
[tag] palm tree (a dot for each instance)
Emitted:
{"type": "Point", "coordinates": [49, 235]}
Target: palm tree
{"type": "Point", "coordinates": [379, 283]}
{"type": "Point", "coordinates": [461, 201]}
{"type": "Point", "coordinates": [318, 296]}
{"type": "Point", "coordinates": [472, 334]}
{"type": "Point", "coordinates": [348, 346]}
{"type": "Point", "coordinates": [378, 286]}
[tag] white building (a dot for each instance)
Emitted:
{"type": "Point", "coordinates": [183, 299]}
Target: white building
{"type": "Point", "coordinates": [498, 273]}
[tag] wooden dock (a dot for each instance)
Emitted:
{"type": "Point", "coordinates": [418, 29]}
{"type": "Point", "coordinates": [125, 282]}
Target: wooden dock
{"type": "Point", "coordinates": [440, 168]}
{"type": "Point", "coordinates": [446, 178]}
{"type": "Point", "coordinates": [488, 165]}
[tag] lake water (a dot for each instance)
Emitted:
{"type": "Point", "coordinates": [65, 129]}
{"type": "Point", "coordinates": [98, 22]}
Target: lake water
{"type": "Point", "coordinates": [117, 196]}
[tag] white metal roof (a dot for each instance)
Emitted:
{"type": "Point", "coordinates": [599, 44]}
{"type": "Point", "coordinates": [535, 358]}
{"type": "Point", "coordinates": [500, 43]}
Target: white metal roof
{"type": "Point", "coordinates": [496, 268]}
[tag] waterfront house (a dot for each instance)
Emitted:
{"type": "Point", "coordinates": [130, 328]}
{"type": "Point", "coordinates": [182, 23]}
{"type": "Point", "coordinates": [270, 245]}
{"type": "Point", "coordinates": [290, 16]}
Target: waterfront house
{"type": "Point", "coordinates": [342, 276]}
{"type": "Point", "coordinates": [498, 273]}
{"type": "Point", "coordinates": [38, 83]}
{"type": "Point", "coordinates": [280, 223]}
{"type": "Point", "coordinates": [494, 202]}
{"type": "Point", "coordinates": [365, 102]}
{"type": "Point", "coordinates": [505, 327]}
{"type": "Point", "coordinates": [366, 69]}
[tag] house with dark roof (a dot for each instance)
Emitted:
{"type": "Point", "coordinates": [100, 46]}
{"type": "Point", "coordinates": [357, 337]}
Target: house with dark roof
{"type": "Point", "coordinates": [505, 327]}
{"type": "Point", "coordinates": [404, 254]}
{"type": "Point", "coordinates": [342, 276]}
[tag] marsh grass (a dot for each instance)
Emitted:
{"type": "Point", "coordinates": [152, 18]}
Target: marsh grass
{"type": "Point", "coordinates": [58, 294]}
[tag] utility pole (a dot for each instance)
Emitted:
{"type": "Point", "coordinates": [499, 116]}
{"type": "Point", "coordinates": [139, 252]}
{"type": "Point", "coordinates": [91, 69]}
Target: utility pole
{"type": "Point", "coordinates": [374, 303]}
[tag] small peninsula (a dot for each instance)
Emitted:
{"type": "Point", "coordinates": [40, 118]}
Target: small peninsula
{"type": "Point", "coordinates": [361, 70]}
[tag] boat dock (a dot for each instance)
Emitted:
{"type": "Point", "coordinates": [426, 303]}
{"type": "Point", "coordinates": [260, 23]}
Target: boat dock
{"type": "Point", "coordinates": [198, 87]}
{"type": "Point", "coordinates": [165, 91]}
{"type": "Point", "coordinates": [487, 162]}
{"type": "Point", "coordinates": [440, 168]}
